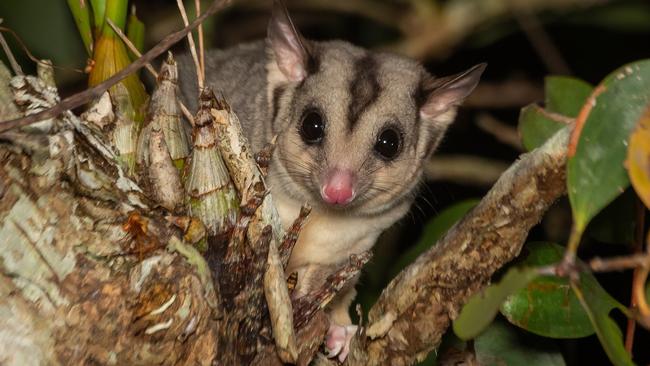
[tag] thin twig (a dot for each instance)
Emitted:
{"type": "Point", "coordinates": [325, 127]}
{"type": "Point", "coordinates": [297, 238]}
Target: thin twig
{"type": "Point", "coordinates": [576, 232]}
{"type": "Point", "coordinates": [190, 40]}
{"type": "Point", "coordinates": [581, 119]}
{"type": "Point", "coordinates": [131, 46]}
{"type": "Point", "coordinates": [512, 92]}
{"type": "Point", "coordinates": [10, 56]}
{"type": "Point", "coordinates": [631, 322]}
{"type": "Point", "coordinates": [501, 131]}
{"type": "Point", "coordinates": [638, 289]}
{"type": "Point", "coordinates": [307, 305]}
{"type": "Point", "coordinates": [464, 169]}
{"type": "Point", "coordinates": [81, 98]}
{"type": "Point", "coordinates": [557, 117]}
{"type": "Point", "coordinates": [640, 274]}
{"type": "Point", "coordinates": [197, 5]}
{"type": "Point", "coordinates": [186, 112]}
{"type": "Point", "coordinates": [620, 263]}
{"type": "Point", "coordinates": [639, 260]}
{"type": "Point", "coordinates": [30, 56]}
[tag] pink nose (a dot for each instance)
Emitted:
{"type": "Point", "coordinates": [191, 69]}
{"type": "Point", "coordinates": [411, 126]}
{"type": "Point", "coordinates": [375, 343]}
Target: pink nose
{"type": "Point", "coordinates": [338, 188]}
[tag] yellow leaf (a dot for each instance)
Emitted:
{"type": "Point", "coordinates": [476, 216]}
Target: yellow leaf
{"type": "Point", "coordinates": [110, 57]}
{"type": "Point", "coordinates": [638, 158]}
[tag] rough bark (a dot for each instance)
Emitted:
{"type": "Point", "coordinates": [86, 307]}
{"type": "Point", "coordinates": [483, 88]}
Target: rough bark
{"type": "Point", "coordinates": [69, 289]}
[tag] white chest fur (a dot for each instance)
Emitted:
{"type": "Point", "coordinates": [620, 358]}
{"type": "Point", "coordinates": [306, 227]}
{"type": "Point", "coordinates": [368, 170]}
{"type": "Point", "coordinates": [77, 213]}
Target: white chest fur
{"type": "Point", "coordinates": [329, 238]}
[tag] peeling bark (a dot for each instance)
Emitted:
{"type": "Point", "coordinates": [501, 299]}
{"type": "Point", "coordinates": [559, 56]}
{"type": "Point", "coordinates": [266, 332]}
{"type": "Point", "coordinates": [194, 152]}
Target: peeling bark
{"type": "Point", "coordinates": [66, 280]}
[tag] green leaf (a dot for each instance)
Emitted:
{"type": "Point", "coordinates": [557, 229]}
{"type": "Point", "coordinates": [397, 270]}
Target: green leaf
{"type": "Point", "coordinates": [536, 126]}
{"type": "Point", "coordinates": [434, 229]}
{"type": "Point", "coordinates": [99, 9]}
{"type": "Point", "coordinates": [481, 309]}
{"type": "Point", "coordinates": [564, 98]}
{"type": "Point", "coordinates": [81, 14]}
{"type": "Point", "coordinates": [566, 95]}
{"type": "Point", "coordinates": [115, 11]}
{"type": "Point", "coordinates": [504, 345]}
{"type": "Point", "coordinates": [598, 304]}
{"type": "Point", "coordinates": [638, 158]}
{"type": "Point", "coordinates": [135, 32]}
{"type": "Point", "coordinates": [596, 174]}
{"type": "Point", "coordinates": [547, 306]}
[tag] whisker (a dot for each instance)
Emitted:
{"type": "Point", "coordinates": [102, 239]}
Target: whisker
{"type": "Point", "coordinates": [422, 215]}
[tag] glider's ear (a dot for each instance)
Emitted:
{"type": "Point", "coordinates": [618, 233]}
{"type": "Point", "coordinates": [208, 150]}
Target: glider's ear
{"type": "Point", "coordinates": [448, 92]}
{"type": "Point", "coordinates": [289, 47]}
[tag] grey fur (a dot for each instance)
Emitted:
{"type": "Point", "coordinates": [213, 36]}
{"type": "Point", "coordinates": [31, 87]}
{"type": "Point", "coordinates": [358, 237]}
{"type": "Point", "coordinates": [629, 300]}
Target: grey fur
{"type": "Point", "coordinates": [364, 88]}
{"type": "Point", "coordinates": [239, 73]}
{"type": "Point", "coordinates": [360, 93]}
{"type": "Point", "coordinates": [270, 84]}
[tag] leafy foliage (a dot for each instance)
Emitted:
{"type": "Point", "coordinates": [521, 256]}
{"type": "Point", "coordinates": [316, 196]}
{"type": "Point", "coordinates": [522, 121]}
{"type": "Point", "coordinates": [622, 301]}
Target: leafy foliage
{"type": "Point", "coordinates": [503, 345]}
{"type": "Point", "coordinates": [564, 98]}
{"type": "Point", "coordinates": [108, 52]}
{"type": "Point", "coordinates": [82, 19]}
{"type": "Point", "coordinates": [547, 306]}
{"type": "Point", "coordinates": [481, 309]}
{"type": "Point", "coordinates": [596, 173]}
{"type": "Point", "coordinates": [598, 304]}
{"type": "Point", "coordinates": [559, 307]}
{"type": "Point", "coordinates": [135, 32]}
